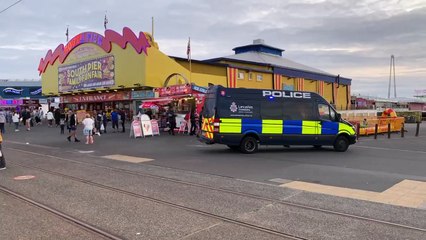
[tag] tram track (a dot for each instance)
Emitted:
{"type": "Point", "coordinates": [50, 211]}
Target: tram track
{"type": "Point", "coordinates": [68, 218]}
{"type": "Point", "coordinates": [242, 194]}
{"type": "Point", "coordinates": [163, 202]}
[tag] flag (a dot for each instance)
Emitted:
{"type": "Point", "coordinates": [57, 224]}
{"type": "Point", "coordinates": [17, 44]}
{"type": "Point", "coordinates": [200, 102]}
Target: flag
{"type": "Point", "coordinates": [66, 34]}
{"type": "Point", "coordinates": [105, 22]}
{"type": "Point", "coordinates": [188, 49]}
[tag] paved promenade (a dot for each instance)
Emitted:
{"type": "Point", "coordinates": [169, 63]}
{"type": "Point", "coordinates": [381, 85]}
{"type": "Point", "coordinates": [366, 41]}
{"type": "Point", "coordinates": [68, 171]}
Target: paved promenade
{"type": "Point", "coordinates": [167, 187]}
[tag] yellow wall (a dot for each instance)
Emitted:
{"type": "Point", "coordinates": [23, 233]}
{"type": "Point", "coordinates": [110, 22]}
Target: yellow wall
{"type": "Point", "coordinates": [266, 83]}
{"type": "Point", "coordinates": [310, 85]}
{"type": "Point", "coordinates": [247, 65]}
{"type": "Point", "coordinates": [203, 74]}
{"type": "Point", "coordinates": [328, 92]}
{"type": "Point", "coordinates": [341, 98]}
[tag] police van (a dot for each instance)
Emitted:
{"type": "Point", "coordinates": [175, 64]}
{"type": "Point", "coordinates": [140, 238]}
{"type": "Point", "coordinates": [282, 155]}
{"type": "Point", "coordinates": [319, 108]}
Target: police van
{"type": "Point", "coordinates": [244, 118]}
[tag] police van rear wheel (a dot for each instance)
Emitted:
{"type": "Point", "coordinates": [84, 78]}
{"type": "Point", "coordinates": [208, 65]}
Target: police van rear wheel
{"type": "Point", "coordinates": [249, 145]}
{"type": "Point", "coordinates": [341, 144]}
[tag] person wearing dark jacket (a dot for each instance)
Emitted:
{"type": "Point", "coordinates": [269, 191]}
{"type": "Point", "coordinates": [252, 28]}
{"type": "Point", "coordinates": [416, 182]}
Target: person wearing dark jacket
{"type": "Point", "coordinates": [193, 123]}
{"type": "Point", "coordinates": [122, 119]}
{"type": "Point", "coordinates": [171, 118]}
{"type": "Point", "coordinates": [72, 125]}
{"type": "Point", "coordinates": [57, 115]}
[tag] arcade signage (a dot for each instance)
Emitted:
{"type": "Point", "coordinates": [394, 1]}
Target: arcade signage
{"type": "Point", "coordinates": [89, 74]}
{"type": "Point", "coordinates": [10, 102]}
{"type": "Point", "coordinates": [35, 91]}
{"type": "Point", "coordinates": [174, 90]}
{"type": "Point", "coordinates": [139, 43]}
{"type": "Point", "coordinates": [105, 97]}
{"type": "Point", "coordinates": [12, 91]}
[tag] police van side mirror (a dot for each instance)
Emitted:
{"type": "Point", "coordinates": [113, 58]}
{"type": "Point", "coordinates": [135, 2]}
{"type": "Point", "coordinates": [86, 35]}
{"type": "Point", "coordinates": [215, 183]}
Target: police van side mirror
{"type": "Point", "coordinates": [339, 117]}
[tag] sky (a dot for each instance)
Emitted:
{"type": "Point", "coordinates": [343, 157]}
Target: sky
{"type": "Point", "coordinates": [353, 38]}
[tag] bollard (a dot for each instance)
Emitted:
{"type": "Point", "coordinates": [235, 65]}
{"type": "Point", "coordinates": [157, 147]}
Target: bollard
{"type": "Point", "coordinates": [376, 127]}
{"type": "Point", "coordinates": [417, 129]}
{"type": "Point", "coordinates": [402, 131]}
{"type": "Point", "coordinates": [357, 130]}
{"type": "Point", "coordinates": [389, 130]}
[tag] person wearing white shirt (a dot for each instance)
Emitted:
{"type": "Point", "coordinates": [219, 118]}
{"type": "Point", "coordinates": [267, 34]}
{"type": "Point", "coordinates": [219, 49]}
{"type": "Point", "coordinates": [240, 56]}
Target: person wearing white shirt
{"type": "Point", "coordinates": [50, 118]}
{"type": "Point", "coordinates": [89, 124]}
{"type": "Point", "coordinates": [15, 120]}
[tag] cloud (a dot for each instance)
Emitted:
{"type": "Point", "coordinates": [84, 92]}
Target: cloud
{"type": "Point", "coordinates": [351, 38]}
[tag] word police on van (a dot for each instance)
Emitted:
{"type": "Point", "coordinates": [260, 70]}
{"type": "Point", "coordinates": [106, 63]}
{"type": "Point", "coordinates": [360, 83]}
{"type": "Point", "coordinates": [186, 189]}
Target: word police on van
{"type": "Point", "coordinates": [287, 94]}
{"type": "Point", "coordinates": [243, 119]}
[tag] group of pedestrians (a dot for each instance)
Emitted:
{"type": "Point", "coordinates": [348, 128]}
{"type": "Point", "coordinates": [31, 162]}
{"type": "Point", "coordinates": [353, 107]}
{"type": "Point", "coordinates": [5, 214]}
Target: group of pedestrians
{"type": "Point", "coordinates": [26, 116]}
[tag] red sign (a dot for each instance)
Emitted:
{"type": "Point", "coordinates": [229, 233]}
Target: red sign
{"type": "Point", "coordinates": [102, 97]}
{"type": "Point", "coordinates": [174, 90]}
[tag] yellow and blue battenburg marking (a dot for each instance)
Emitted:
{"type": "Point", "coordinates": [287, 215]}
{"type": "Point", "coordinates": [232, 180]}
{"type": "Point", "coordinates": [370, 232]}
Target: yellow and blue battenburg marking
{"type": "Point", "coordinates": [291, 127]}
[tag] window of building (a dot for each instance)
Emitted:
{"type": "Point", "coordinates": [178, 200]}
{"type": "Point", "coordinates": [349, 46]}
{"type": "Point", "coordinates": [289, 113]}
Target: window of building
{"type": "Point", "coordinates": [240, 75]}
{"type": "Point", "coordinates": [259, 77]}
{"type": "Point", "coordinates": [250, 76]}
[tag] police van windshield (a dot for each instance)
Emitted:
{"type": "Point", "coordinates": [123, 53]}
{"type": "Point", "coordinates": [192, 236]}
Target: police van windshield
{"type": "Point", "coordinates": [210, 103]}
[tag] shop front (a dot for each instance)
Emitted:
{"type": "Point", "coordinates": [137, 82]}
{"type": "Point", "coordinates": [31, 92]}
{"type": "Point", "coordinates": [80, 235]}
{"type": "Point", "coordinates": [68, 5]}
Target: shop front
{"type": "Point", "coordinates": [184, 99]}
{"type": "Point", "coordinates": [99, 102]}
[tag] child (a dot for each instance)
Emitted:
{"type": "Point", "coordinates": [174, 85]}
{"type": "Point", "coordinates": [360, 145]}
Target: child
{"type": "Point", "coordinates": [62, 123]}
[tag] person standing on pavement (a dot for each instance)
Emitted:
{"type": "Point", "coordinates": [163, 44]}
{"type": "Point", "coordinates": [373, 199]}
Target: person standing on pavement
{"type": "Point", "coordinates": [15, 120]}
{"type": "Point", "coordinates": [72, 121]}
{"type": "Point", "coordinates": [122, 119]}
{"type": "Point", "coordinates": [114, 120]}
{"type": "Point", "coordinates": [2, 160]}
{"type": "Point", "coordinates": [62, 121]}
{"type": "Point", "coordinates": [104, 121]}
{"type": "Point", "coordinates": [26, 118]}
{"type": "Point", "coordinates": [89, 124]}
{"type": "Point", "coordinates": [50, 117]}
{"type": "Point", "coordinates": [57, 116]}
{"type": "Point", "coordinates": [171, 118]}
{"type": "Point", "coordinates": [193, 123]}
{"type": "Point", "coordinates": [2, 120]}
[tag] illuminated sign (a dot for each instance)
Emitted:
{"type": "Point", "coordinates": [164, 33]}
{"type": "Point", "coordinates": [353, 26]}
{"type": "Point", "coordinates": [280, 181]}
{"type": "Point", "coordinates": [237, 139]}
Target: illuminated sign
{"type": "Point", "coordinates": [10, 102]}
{"type": "Point", "coordinates": [140, 44]}
{"type": "Point", "coordinates": [35, 91]}
{"type": "Point", "coordinates": [12, 91]}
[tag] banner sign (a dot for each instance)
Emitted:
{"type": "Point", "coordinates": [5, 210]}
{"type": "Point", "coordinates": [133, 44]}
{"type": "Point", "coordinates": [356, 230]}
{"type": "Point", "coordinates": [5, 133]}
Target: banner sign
{"type": "Point", "coordinates": [12, 91]}
{"type": "Point", "coordinates": [35, 91]}
{"type": "Point", "coordinates": [30, 102]}
{"type": "Point", "coordinates": [96, 97]}
{"type": "Point", "coordinates": [174, 90]}
{"type": "Point", "coordinates": [199, 89]}
{"type": "Point", "coordinates": [95, 73]}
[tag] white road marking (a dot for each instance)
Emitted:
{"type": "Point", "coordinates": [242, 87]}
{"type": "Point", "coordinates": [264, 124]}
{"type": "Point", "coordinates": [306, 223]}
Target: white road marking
{"type": "Point", "coordinates": [126, 158]}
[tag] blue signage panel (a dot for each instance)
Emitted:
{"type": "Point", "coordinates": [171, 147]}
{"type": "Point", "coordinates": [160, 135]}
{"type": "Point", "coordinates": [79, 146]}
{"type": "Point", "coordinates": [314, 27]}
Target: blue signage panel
{"type": "Point", "coordinates": [143, 94]}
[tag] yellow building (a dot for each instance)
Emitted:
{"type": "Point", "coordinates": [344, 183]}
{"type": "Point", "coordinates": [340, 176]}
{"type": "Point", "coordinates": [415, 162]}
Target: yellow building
{"type": "Point", "coordinates": [94, 71]}
{"type": "Point", "coordinates": [261, 66]}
